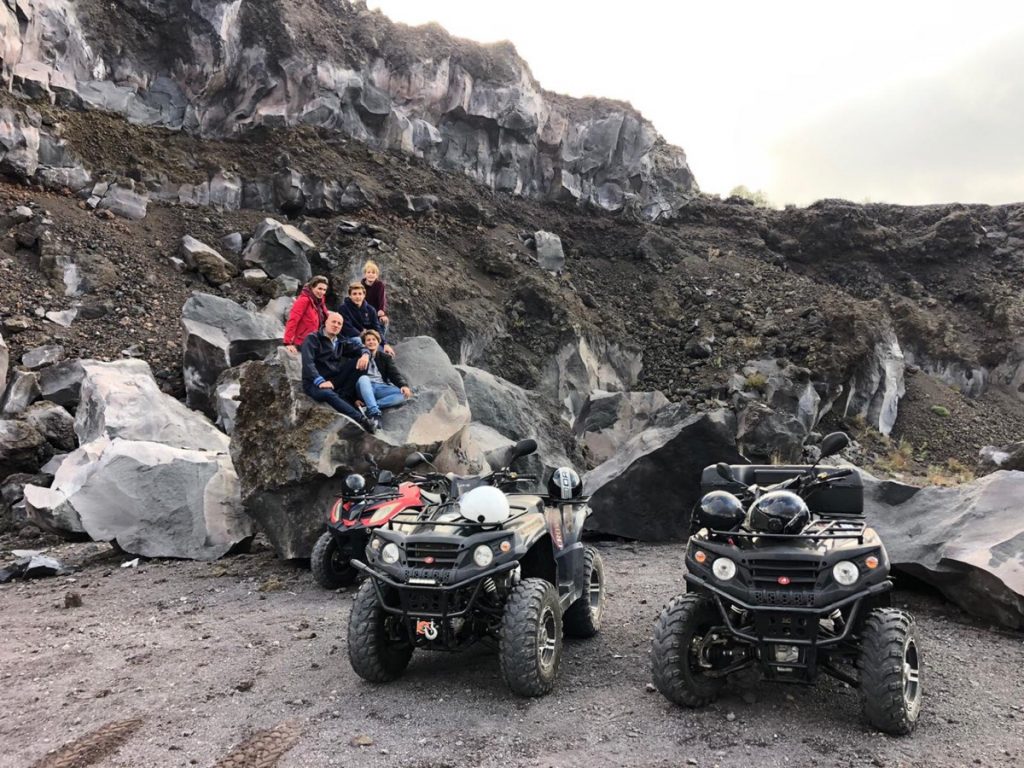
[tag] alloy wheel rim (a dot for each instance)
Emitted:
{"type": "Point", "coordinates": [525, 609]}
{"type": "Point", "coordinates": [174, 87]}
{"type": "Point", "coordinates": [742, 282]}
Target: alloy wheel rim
{"type": "Point", "coordinates": [548, 639]}
{"type": "Point", "coordinates": [911, 673]}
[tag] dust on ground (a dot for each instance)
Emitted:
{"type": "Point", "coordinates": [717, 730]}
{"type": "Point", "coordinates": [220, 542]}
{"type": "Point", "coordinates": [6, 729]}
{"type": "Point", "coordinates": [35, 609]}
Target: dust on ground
{"type": "Point", "coordinates": [247, 656]}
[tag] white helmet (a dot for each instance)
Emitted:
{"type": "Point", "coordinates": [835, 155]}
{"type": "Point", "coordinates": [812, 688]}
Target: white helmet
{"type": "Point", "coordinates": [485, 504]}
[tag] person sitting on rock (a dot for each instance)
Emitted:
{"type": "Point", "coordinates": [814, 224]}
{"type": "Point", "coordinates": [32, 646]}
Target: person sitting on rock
{"type": "Point", "coordinates": [307, 314]}
{"type": "Point", "coordinates": [382, 386]}
{"type": "Point", "coordinates": [331, 367]}
{"type": "Point", "coordinates": [361, 316]}
{"type": "Point", "coordinates": [376, 295]}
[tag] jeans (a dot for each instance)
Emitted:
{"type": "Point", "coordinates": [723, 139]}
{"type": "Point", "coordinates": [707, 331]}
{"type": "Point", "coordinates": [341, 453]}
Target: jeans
{"type": "Point", "coordinates": [333, 399]}
{"type": "Point", "coordinates": [377, 396]}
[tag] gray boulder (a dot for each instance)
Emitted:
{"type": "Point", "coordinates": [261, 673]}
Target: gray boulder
{"type": "Point", "coordinates": [22, 448]}
{"type": "Point", "coordinates": [876, 386]}
{"type": "Point", "coordinates": [473, 450]}
{"type": "Point", "coordinates": [585, 365]}
{"type": "Point", "coordinates": [62, 383]}
{"type": "Point", "coordinates": [517, 414]}
{"type": "Point", "coordinates": [778, 408]}
{"type": "Point", "coordinates": [42, 356]}
{"type": "Point", "coordinates": [647, 490]}
{"type": "Point", "coordinates": [964, 540]}
{"type": "Point", "coordinates": [22, 391]}
{"type": "Point", "coordinates": [549, 251]}
{"type": "Point", "coordinates": [279, 249]}
{"type": "Point", "coordinates": [124, 202]}
{"type": "Point", "coordinates": [219, 334]}
{"type": "Point", "coordinates": [122, 399]}
{"type": "Point", "coordinates": [1002, 457]}
{"type": "Point", "coordinates": [609, 419]}
{"type": "Point", "coordinates": [288, 482]}
{"type": "Point", "coordinates": [5, 361]}
{"type": "Point", "coordinates": [54, 423]}
{"type": "Point", "coordinates": [190, 498]}
{"type": "Point", "coordinates": [199, 256]}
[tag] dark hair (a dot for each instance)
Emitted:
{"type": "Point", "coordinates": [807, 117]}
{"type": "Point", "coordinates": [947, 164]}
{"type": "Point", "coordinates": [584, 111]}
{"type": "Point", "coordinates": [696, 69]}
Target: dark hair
{"type": "Point", "coordinates": [356, 284]}
{"type": "Point", "coordinates": [315, 280]}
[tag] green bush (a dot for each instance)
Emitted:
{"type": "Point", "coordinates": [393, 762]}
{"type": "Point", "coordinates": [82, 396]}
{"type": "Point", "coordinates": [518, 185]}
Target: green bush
{"type": "Point", "coordinates": [940, 410]}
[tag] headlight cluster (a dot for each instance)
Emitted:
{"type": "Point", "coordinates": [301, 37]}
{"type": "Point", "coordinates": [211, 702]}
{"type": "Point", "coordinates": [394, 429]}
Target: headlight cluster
{"type": "Point", "coordinates": [390, 553]}
{"type": "Point", "coordinates": [845, 572]}
{"type": "Point", "coordinates": [723, 568]}
{"type": "Point", "coordinates": [483, 555]}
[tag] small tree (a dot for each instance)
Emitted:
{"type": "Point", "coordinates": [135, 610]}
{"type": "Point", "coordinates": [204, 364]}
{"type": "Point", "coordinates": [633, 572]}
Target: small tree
{"type": "Point", "coordinates": [758, 197]}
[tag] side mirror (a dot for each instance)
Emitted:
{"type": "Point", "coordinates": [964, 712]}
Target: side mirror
{"type": "Point", "coordinates": [386, 477]}
{"type": "Point", "coordinates": [833, 443]}
{"type": "Point", "coordinates": [725, 471]}
{"type": "Point", "coordinates": [523, 448]}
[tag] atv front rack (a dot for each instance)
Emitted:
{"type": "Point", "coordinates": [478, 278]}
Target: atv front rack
{"type": "Point", "coordinates": [411, 517]}
{"type": "Point", "coordinates": [819, 529]}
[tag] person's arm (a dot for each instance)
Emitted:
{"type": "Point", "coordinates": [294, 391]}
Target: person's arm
{"type": "Point", "coordinates": [356, 349]}
{"type": "Point", "coordinates": [309, 370]}
{"type": "Point", "coordinates": [390, 373]}
{"type": "Point", "coordinates": [383, 297]}
{"type": "Point", "coordinates": [298, 310]}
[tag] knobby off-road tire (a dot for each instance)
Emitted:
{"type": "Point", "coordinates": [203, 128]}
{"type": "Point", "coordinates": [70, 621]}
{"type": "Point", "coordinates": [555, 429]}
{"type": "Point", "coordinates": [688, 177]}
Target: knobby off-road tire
{"type": "Point", "coordinates": [378, 646]}
{"type": "Point", "coordinates": [331, 565]}
{"type": "Point", "coordinates": [678, 632]}
{"type": "Point", "coordinates": [583, 618]}
{"type": "Point", "coordinates": [530, 639]}
{"type": "Point", "coordinates": [890, 669]}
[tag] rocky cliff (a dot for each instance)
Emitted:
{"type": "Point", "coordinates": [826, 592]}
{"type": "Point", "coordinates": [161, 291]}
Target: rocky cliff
{"type": "Point", "coordinates": [227, 69]}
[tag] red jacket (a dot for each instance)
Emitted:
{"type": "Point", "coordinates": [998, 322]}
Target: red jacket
{"type": "Point", "coordinates": [307, 316]}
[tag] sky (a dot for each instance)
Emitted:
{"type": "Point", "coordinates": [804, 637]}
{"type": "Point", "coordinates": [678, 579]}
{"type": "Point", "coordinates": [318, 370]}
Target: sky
{"type": "Point", "coordinates": [903, 102]}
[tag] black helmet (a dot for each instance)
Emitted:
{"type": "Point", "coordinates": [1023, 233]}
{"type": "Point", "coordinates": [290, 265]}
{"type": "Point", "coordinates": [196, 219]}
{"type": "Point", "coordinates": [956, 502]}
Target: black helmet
{"type": "Point", "coordinates": [720, 511]}
{"type": "Point", "coordinates": [778, 512]}
{"type": "Point", "coordinates": [355, 483]}
{"type": "Point", "coordinates": [565, 484]}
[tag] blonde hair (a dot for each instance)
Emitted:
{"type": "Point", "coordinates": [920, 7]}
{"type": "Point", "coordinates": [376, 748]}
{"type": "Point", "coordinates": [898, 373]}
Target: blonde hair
{"type": "Point", "coordinates": [370, 263]}
{"type": "Point", "coordinates": [354, 285]}
{"type": "Point", "coordinates": [370, 332]}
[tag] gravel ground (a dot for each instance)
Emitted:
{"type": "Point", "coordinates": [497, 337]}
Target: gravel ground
{"type": "Point", "coordinates": [209, 656]}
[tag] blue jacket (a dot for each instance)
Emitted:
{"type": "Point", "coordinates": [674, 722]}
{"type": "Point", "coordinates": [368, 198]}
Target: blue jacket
{"type": "Point", "coordinates": [359, 319]}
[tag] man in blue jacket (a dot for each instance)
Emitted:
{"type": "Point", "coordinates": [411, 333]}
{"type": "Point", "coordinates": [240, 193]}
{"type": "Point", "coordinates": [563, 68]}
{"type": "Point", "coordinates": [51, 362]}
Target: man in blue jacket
{"type": "Point", "coordinates": [331, 367]}
{"type": "Point", "coordinates": [360, 316]}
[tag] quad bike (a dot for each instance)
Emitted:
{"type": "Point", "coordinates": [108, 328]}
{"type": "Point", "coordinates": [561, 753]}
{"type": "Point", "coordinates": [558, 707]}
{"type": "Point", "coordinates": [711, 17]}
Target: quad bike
{"type": "Point", "coordinates": [364, 506]}
{"type": "Point", "coordinates": [784, 577]}
{"type": "Point", "coordinates": [491, 563]}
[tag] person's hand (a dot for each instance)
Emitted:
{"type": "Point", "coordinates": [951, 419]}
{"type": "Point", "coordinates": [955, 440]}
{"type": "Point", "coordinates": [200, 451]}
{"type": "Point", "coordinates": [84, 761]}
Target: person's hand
{"type": "Point", "coordinates": [360, 404]}
{"type": "Point", "coordinates": [364, 362]}
{"type": "Point", "coordinates": [388, 350]}
{"type": "Point", "coordinates": [382, 316]}
{"type": "Point", "coordinates": [407, 392]}
{"type": "Point", "coordinates": [292, 349]}
{"type": "Point", "coordinates": [326, 385]}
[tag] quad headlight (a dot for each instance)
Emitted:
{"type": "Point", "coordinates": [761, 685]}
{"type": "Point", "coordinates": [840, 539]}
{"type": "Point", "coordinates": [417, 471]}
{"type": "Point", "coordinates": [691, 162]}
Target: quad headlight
{"type": "Point", "coordinates": [389, 554]}
{"type": "Point", "coordinates": [723, 568]}
{"type": "Point", "coordinates": [845, 573]}
{"type": "Point", "coordinates": [483, 555]}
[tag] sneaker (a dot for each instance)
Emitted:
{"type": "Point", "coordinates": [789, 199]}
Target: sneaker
{"type": "Point", "coordinates": [376, 421]}
{"type": "Point", "coordinates": [368, 424]}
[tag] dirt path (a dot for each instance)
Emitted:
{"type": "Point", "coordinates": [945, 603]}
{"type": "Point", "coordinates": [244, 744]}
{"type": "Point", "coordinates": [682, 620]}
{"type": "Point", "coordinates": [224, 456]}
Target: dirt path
{"type": "Point", "coordinates": [243, 662]}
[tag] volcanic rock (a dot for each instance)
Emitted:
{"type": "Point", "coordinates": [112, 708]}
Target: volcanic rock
{"type": "Point", "coordinates": [54, 423]}
{"type": "Point", "coordinates": [279, 249]}
{"type": "Point", "coordinates": [609, 419]}
{"type": "Point", "coordinates": [198, 256]}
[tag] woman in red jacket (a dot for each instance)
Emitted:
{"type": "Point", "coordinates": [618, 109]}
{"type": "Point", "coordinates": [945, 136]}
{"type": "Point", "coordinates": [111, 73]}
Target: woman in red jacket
{"type": "Point", "coordinates": [308, 313]}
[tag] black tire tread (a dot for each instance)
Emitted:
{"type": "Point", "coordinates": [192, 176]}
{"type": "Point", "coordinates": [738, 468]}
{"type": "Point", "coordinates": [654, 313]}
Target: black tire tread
{"type": "Point", "coordinates": [372, 658]}
{"type": "Point", "coordinates": [517, 641]}
{"type": "Point", "coordinates": [880, 663]}
{"type": "Point", "coordinates": [578, 619]}
{"type": "Point", "coordinates": [321, 563]}
{"type": "Point", "coordinates": [670, 652]}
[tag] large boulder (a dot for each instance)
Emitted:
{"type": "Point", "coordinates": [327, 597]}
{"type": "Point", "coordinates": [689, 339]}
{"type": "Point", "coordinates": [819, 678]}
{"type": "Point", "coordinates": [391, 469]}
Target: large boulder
{"type": "Point", "coordinates": [473, 450]}
{"type": "Point", "coordinates": [288, 482]}
{"type": "Point", "coordinates": [22, 448]}
{"type": "Point", "coordinates": [219, 334]}
{"type": "Point", "coordinates": [279, 249]}
{"type": "Point", "coordinates": [206, 261]}
{"type": "Point", "coordinates": [54, 423]}
{"type": "Point", "coordinates": [778, 407]}
{"type": "Point", "coordinates": [122, 399]}
{"type": "Point", "coordinates": [583, 366]}
{"type": "Point", "coordinates": [517, 414]}
{"type": "Point", "coordinates": [152, 499]}
{"type": "Point", "coordinates": [609, 419]}
{"type": "Point", "coordinates": [965, 540]}
{"type": "Point", "coordinates": [647, 490]}
{"type": "Point", "coordinates": [61, 383]}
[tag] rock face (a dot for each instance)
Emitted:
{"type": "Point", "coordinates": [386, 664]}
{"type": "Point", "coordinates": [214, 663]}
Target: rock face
{"type": "Point", "coordinates": [778, 408]}
{"type": "Point", "coordinates": [288, 482]}
{"type": "Point", "coordinates": [586, 365]}
{"type": "Point", "coordinates": [876, 388]}
{"type": "Point", "coordinates": [475, 109]}
{"type": "Point", "coordinates": [966, 541]}
{"type": "Point", "coordinates": [609, 419]}
{"type": "Point", "coordinates": [647, 490]}
{"type": "Point", "coordinates": [219, 334]}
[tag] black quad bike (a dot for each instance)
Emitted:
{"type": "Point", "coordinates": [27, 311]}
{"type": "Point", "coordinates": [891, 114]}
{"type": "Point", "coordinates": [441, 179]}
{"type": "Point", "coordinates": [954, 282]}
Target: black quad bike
{"type": "Point", "coordinates": [367, 502]}
{"type": "Point", "coordinates": [784, 577]}
{"type": "Point", "coordinates": [490, 563]}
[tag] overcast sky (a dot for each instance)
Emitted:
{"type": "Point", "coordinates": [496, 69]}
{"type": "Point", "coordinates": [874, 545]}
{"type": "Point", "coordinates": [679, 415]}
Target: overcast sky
{"type": "Point", "coordinates": [908, 102]}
